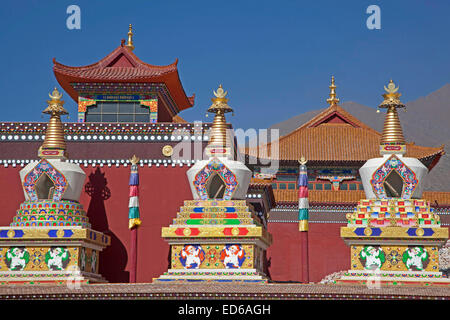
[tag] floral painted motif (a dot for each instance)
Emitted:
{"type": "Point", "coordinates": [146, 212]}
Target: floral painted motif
{"type": "Point", "coordinates": [44, 167]}
{"type": "Point", "coordinates": [408, 176]}
{"type": "Point", "coordinates": [215, 166]}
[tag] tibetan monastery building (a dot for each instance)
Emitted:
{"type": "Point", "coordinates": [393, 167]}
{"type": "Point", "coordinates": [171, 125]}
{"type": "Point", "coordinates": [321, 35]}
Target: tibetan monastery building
{"type": "Point", "coordinates": [128, 107]}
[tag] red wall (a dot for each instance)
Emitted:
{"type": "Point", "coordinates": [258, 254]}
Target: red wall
{"type": "Point", "coordinates": [327, 251]}
{"type": "Point", "coordinates": [162, 192]}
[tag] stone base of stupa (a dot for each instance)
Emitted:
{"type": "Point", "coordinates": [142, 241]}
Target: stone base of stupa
{"type": "Point", "coordinates": [394, 242]}
{"type": "Point", "coordinates": [216, 241]}
{"type": "Point", "coordinates": [41, 255]}
{"type": "Point", "coordinates": [375, 279]}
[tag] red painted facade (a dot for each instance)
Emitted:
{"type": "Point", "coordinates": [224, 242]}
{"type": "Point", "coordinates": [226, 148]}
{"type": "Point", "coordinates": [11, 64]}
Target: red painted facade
{"type": "Point", "coordinates": [162, 192]}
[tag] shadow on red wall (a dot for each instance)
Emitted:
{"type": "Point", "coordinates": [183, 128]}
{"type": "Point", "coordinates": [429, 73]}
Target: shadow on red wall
{"type": "Point", "coordinates": [114, 257]}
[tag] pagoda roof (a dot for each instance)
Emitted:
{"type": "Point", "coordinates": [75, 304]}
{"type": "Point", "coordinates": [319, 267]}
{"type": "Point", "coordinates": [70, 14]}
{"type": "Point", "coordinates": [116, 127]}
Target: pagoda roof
{"type": "Point", "coordinates": [334, 135]}
{"type": "Point", "coordinates": [123, 66]}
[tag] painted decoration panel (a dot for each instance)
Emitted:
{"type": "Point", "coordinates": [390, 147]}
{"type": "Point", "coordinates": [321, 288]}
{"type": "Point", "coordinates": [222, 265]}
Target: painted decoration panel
{"type": "Point", "coordinates": [212, 256]}
{"type": "Point", "coordinates": [21, 258]}
{"type": "Point", "coordinates": [395, 258]}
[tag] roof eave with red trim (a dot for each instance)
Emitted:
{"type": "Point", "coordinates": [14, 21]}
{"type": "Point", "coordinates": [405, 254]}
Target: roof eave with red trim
{"type": "Point", "coordinates": [168, 75]}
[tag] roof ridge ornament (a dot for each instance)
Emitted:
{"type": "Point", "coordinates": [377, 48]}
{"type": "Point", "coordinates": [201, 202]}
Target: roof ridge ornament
{"type": "Point", "coordinates": [130, 38]}
{"type": "Point", "coordinates": [332, 100]}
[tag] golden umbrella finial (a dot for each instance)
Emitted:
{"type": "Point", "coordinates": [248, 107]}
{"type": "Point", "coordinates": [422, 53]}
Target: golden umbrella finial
{"type": "Point", "coordinates": [392, 130]}
{"type": "Point", "coordinates": [332, 100]}
{"type": "Point", "coordinates": [130, 38]}
{"type": "Point", "coordinates": [54, 145]}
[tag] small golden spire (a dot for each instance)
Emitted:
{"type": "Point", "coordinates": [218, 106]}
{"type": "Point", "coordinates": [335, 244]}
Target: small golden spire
{"type": "Point", "coordinates": [54, 145]}
{"type": "Point", "coordinates": [130, 38]}
{"type": "Point", "coordinates": [332, 100]}
{"type": "Point", "coordinates": [392, 130]}
{"type": "Point", "coordinates": [218, 135]}
{"type": "Point", "coordinates": [302, 160]}
{"type": "Point", "coordinates": [134, 159]}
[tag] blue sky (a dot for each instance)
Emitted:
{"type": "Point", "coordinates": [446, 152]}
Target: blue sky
{"type": "Point", "coordinates": [275, 58]}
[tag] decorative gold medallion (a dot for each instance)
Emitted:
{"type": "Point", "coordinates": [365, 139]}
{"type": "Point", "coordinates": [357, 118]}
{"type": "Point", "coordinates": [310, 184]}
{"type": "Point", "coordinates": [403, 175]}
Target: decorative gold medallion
{"type": "Point", "coordinates": [167, 151]}
{"type": "Point", "coordinates": [368, 231]}
{"type": "Point", "coordinates": [187, 232]}
{"type": "Point", "coordinates": [235, 231]}
{"type": "Point", "coordinates": [60, 233]}
{"type": "Point", "coordinates": [420, 232]}
{"type": "Point", "coordinates": [11, 234]}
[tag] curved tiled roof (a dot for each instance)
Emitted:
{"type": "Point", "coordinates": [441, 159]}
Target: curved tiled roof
{"type": "Point", "coordinates": [122, 65]}
{"type": "Point", "coordinates": [324, 138]}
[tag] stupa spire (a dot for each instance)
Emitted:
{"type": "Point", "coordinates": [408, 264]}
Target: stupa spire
{"type": "Point", "coordinates": [392, 129]}
{"type": "Point", "coordinates": [54, 145]}
{"type": "Point", "coordinates": [130, 38]}
{"type": "Point", "coordinates": [218, 135]}
{"type": "Point", "coordinates": [332, 100]}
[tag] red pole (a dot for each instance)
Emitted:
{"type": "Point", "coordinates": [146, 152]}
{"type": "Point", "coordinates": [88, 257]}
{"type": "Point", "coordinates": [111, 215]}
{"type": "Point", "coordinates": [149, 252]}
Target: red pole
{"type": "Point", "coordinates": [305, 257]}
{"type": "Point", "coordinates": [133, 258]}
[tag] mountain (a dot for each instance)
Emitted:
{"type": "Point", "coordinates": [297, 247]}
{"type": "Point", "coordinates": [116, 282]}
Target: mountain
{"type": "Point", "coordinates": [425, 122]}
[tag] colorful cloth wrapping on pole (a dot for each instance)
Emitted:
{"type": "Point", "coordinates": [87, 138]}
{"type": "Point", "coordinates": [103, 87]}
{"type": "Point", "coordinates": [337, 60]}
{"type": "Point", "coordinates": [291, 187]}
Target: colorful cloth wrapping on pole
{"type": "Point", "coordinates": [303, 204]}
{"type": "Point", "coordinates": [133, 205]}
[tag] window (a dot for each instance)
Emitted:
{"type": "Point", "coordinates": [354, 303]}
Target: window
{"type": "Point", "coordinates": [291, 186]}
{"type": "Point", "coordinates": [319, 186]}
{"type": "Point", "coordinates": [282, 186]}
{"type": "Point", "coordinates": [327, 186]}
{"type": "Point", "coordinates": [118, 111]}
{"type": "Point", "coordinates": [286, 178]}
{"type": "Point", "coordinates": [310, 186]}
{"type": "Point", "coordinates": [274, 186]}
{"type": "Point", "coordinates": [352, 186]}
{"type": "Point", "coordinates": [344, 186]}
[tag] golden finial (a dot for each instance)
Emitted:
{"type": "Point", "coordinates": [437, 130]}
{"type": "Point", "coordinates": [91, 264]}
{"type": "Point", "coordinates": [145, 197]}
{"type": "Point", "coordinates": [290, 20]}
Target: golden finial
{"type": "Point", "coordinates": [332, 100]}
{"type": "Point", "coordinates": [220, 102]}
{"type": "Point", "coordinates": [55, 105]}
{"type": "Point", "coordinates": [302, 160]}
{"type": "Point", "coordinates": [134, 159]}
{"type": "Point", "coordinates": [54, 145]}
{"type": "Point", "coordinates": [130, 38]}
{"type": "Point", "coordinates": [392, 130]}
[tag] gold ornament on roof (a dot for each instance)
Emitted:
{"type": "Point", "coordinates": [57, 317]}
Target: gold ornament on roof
{"type": "Point", "coordinates": [302, 160]}
{"type": "Point", "coordinates": [392, 129]}
{"type": "Point", "coordinates": [332, 100]}
{"type": "Point", "coordinates": [130, 38]}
